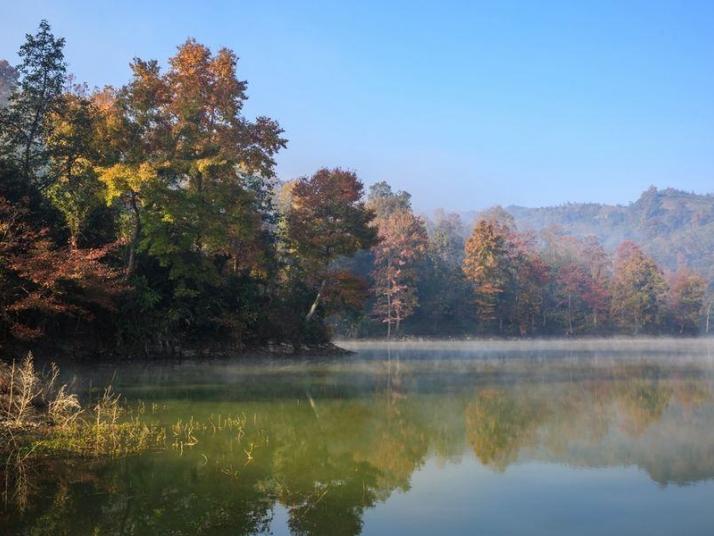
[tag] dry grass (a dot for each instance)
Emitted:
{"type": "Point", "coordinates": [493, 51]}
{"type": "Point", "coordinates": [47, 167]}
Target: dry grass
{"type": "Point", "coordinates": [29, 399]}
{"type": "Point", "coordinates": [40, 419]}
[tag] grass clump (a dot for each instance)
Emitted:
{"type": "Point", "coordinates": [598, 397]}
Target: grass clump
{"type": "Point", "coordinates": [38, 415]}
{"type": "Point", "coordinates": [29, 399]}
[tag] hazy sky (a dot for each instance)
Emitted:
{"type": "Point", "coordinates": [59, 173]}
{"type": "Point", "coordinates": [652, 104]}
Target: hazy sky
{"type": "Point", "coordinates": [462, 104]}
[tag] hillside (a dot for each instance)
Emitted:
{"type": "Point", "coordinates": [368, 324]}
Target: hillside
{"type": "Point", "coordinates": [675, 227]}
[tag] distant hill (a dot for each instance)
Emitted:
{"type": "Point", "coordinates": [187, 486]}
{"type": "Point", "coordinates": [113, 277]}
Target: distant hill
{"type": "Point", "coordinates": [674, 227]}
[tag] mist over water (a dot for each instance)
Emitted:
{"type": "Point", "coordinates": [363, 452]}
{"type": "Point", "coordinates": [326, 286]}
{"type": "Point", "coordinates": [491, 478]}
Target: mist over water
{"type": "Point", "coordinates": [415, 437]}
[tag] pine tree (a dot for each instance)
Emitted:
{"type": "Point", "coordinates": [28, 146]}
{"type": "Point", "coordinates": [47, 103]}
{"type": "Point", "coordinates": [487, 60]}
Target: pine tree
{"type": "Point", "coordinates": [24, 123]}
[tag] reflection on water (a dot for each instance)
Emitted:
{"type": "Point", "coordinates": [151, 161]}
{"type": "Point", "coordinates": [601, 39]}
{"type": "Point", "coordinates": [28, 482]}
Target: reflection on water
{"type": "Point", "coordinates": [464, 440]}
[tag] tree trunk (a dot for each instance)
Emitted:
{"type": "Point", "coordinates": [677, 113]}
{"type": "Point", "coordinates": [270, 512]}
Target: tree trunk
{"type": "Point", "coordinates": [131, 262]}
{"type": "Point", "coordinates": [314, 305]}
{"type": "Point", "coordinates": [389, 313]}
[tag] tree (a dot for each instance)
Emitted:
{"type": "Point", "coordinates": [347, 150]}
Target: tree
{"type": "Point", "coordinates": [39, 281]}
{"type": "Point", "coordinates": [530, 277]}
{"type": "Point", "coordinates": [402, 243]}
{"type": "Point", "coordinates": [132, 138]}
{"type": "Point", "coordinates": [446, 238]}
{"type": "Point", "coordinates": [383, 201]}
{"type": "Point", "coordinates": [23, 124]}
{"type": "Point", "coordinates": [8, 81]}
{"type": "Point", "coordinates": [597, 295]}
{"type": "Point", "coordinates": [487, 266]}
{"type": "Point", "coordinates": [507, 274]}
{"type": "Point", "coordinates": [445, 305]}
{"type": "Point", "coordinates": [686, 300]}
{"type": "Point", "coordinates": [193, 172]}
{"type": "Point", "coordinates": [76, 190]}
{"type": "Point", "coordinates": [577, 296]}
{"type": "Point", "coordinates": [638, 289]}
{"type": "Point", "coordinates": [327, 219]}
{"type": "Point", "coordinates": [574, 284]}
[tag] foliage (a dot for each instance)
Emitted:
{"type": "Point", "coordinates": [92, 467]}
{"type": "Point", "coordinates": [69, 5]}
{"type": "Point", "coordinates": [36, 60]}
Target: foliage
{"type": "Point", "coordinates": [327, 219]}
{"type": "Point", "coordinates": [686, 300]}
{"type": "Point", "coordinates": [638, 290]}
{"type": "Point", "coordinates": [8, 81]}
{"type": "Point", "coordinates": [402, 243]}
{"type": "Point", "coordinates": [23, 124]}
{"type": "Point", "coordinates": [145, 213]}
{"type": "Point", "coordinates": [149, 216]}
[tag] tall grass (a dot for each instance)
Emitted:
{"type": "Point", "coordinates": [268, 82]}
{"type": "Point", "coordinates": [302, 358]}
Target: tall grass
{"type": "Point", "coordinates": [39, 418]}
{"type": "Point", "coordinates": [30, 399]}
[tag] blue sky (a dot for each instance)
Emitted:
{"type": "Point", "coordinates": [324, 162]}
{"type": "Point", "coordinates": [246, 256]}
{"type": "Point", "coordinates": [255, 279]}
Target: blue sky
{"type": "Point", "coordinates": [463, 104]}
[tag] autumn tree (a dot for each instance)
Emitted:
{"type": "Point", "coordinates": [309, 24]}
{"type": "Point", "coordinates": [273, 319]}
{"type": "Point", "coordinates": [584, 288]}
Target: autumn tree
{"type": "Point", "coordinates": [598, 264]}
{"type": "Point", "coordinates": [132, 136]}
{"type": "Point", "coordinates": [327, 219]}
{"type": "Point", "coordinates": [192, 178]}
{"type": "Point", "coordinates": [530, 277]}
{"type": "Point", "coordinates": [577, 296]}
{"type": "Point", "coordinates": [638, 290]}
{"type": "Point", "coordinates": [41, 283]}
{"type": "Point", "coordinates": [507, 274]}
{"type": "Point", "coordinates": [686, 300]}
{"type": "Point", "coordinates": [487, 266]}
{"type": "Point", "coordinates": [217, 156]}
{"type": "Point", "coordinates": [402, 242]}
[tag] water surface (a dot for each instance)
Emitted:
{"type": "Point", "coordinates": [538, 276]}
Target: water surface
{"type": "Point", "coordinates": [539, 437]}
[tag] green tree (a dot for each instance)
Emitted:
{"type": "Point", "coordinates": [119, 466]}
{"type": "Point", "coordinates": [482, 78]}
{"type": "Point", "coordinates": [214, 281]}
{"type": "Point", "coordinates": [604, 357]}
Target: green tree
{"type": "Point", "coordinates": [446, 306]}
{"type": "Point", "coordinates": [23, 124]}
{"type": "Point", "coordinates": [383, 201]}
{"type": "Point", "coordinates": [76, 191]}
{"type": "Point", "coordinates": [8, 81]}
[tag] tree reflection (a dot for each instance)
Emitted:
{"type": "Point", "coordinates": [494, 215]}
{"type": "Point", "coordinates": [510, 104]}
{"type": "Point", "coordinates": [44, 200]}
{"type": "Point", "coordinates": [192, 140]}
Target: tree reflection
{"type": "Point", "coordinates": [499, 424]}
{"type": "Point", "coordinates": [328, 459]}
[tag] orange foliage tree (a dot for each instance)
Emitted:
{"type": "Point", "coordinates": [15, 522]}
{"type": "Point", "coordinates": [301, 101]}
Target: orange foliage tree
{"type": "Point", "coordinates": [402, 244]}
{"type": "Point", "coordinates": [327, 219]}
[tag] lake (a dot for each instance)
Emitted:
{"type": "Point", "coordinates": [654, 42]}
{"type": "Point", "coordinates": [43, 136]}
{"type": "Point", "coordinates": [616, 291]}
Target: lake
{"type": "Point", "coordinates": [481, 437]}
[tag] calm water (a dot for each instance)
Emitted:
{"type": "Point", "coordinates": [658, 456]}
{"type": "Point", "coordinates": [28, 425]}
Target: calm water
{"type": "Point", "coordinates": [427, 438]}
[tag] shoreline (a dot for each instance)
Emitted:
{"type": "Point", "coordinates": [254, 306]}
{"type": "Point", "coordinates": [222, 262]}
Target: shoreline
{"type": "Point", "coordinates": [45, 352]}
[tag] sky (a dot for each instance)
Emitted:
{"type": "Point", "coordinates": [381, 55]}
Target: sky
{"type": "Point", "coordinates": [463, 104]}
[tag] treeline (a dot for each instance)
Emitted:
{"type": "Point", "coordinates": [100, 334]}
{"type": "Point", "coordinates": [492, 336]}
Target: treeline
{"type": "Point", "coordinates": [149, 217]}
{"type": "Point", "coordinates": [146, 216]}
{"type": "Point", "coordinates": [433, 278]}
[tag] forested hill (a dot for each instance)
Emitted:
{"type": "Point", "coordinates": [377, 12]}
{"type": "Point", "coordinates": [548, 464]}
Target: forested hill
{"type": "Point", "coordinates": [675, 227]}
